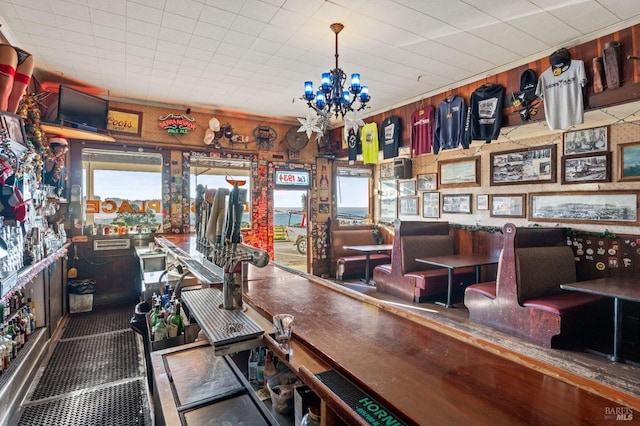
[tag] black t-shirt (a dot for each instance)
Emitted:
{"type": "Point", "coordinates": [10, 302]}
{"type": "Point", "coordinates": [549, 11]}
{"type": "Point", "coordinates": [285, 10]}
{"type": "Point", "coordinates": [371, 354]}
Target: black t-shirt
{"type": "Point", "coordinates": [353, 144]}
{"type": "Point", "coordinates": [390, 136]}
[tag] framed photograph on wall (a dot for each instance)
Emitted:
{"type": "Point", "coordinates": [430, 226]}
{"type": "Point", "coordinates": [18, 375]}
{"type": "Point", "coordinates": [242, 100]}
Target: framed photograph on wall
{"type": "Point", "coordinates": [524, 166]}
{"type": "Point", "coordinates": [456, 203]}
{"type": "Point", "coordinates": [615, 207]}
{"type": "Point", "coordinates": [388, 188]}
{"type": "Point", "coordinates": [629, 159]}
{"type": "Point", "coordinates": [14, 126]}
{"type": "Point", "coordinates": [508, 205]}
{"type": "Point", "coordinates": [406, 188]}
{"type": "Point", "coordinates": [587, 168]}
{"type": "Point", "coordinates": [408, 206]}
{"type": "Point", "coordinates": [388, 208]}
{"type": "Point", "coordinates": [459, 172]}
{"type": "Point", "coordinates": [482, 202]}
{"type": "Point", "coordinates": [427, 182]}
{"type": "Point", "coordinates": [585, 141]}
{"type": "Point", "coordinates": [431, 204]}
{"type": "Point", "coordinates": [386, 170]}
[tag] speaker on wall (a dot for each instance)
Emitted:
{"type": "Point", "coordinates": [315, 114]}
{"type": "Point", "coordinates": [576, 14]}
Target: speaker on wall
{"type": "Point", "coordinates": [402, 168]}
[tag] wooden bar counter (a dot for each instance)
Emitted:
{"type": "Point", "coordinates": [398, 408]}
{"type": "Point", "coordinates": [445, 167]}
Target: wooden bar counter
{"type": "Point", "coordinates": [425, 371]}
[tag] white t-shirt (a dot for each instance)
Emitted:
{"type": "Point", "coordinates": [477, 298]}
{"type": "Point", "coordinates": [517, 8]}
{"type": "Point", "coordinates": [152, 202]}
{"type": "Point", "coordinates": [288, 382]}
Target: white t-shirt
{"type": "Point", "coordinates": [562, 94]}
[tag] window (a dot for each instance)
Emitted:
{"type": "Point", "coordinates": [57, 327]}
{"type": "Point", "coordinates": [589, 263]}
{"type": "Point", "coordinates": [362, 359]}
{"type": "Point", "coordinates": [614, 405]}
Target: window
{"type": "Point", "coordinates": [353, 187]}
{"type": "Point", "coordinates": [122, 189]}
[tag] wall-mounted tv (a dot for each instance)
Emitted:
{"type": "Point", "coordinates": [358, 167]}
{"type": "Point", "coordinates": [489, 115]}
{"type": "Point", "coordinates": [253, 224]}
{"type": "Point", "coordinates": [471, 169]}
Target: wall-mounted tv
{"type": "Point", "coordinates": [82, 110]}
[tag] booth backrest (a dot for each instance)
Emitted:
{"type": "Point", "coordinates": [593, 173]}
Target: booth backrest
{"type": "Point", "coordinates": [414, 246]}
{"type": "Point", "coordinates": [541, 270]}
{"type": "Point", "coordinates": [350, 237]}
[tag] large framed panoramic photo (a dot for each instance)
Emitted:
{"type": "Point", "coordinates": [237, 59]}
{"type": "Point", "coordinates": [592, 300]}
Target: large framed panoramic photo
{"type": "Point", "coordinates": [615, 207]}
{"type": "Point", "coordinates": [528, 165]}
{"type": "Point", "coordinates": [459, 172]}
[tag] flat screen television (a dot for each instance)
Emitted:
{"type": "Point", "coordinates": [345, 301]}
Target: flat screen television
{"type": "Point", "coordinates": [85, 111]}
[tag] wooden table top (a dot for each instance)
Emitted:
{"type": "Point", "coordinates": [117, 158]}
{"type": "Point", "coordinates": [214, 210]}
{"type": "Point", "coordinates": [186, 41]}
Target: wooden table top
{"type": "Point", "coordinates": [459, 260]}
{"type": "Point", "coordinates": [429, 374]}
{"type": "Point", "coordinates": [370, 247]}
{"type": "Point", "coordinates": [627, 288]}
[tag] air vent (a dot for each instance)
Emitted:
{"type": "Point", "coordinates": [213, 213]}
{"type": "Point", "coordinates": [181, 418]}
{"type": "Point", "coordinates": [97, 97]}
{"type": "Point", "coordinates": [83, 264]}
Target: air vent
{"type": "Point", "coordinates": [101, 245]}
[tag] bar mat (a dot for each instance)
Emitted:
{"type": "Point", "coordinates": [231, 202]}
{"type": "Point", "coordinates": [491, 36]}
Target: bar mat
{"type": "Point", "coordinates": [365, 406]}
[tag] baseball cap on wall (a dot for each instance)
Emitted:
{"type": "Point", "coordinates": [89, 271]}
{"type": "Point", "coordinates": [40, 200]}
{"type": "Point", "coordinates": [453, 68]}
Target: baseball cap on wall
{"type": "Point", "coordinates": [560, 61]}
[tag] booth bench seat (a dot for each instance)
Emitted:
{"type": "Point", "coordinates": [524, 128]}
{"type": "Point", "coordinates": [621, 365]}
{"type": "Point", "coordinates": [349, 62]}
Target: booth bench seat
{"type": "Point", "coordinates": [414, 281]}
{"type": "Point", "coordinates": [346, 263]}
{"type": "Point", "coordinates": [526, 300]}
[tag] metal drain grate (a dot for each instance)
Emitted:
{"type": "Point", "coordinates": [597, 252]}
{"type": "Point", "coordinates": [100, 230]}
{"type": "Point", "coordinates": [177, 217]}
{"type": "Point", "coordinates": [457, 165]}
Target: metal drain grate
{"type": "Point", "coordinates": [83, 363]}
{"type": "Point", "coordinates": [102, 320]}
{"type": "Point", "coordinates": [119, 405]}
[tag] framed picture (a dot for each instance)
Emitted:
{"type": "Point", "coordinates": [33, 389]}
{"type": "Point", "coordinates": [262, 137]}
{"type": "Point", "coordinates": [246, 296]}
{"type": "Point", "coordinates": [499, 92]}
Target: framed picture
{"type": "Point", "coordinates": [124, 122]}
{"type": "Point", "coordinates": [409, 206]}
{"type": "Point", "coordinates": [388, 208]}
{"type": "Point", "coordinates": [482, 202]}
{"type": "Point", "coordinates": [386, 170]}
{"type": "Point", "coordinates": [509, 205]}
{"type": "Point", "coordinates": [615, 207]}
{"type": "Point", "coordinates": [629, 159]}
{"type": "Point", "coordinates": [524, 166]}
{"type": "Point", "coordinates": [585, 141]}
{"type": "Point", "coordinates": [388, 188]}
{"type": "Point", "coordinates": [14, 126]}
{"type": "Point", "coordinates": [406, 188]}
{"type": "Point", "coordinates": [428, 182]}
{"type": "Point", "coordinates": [587, 168]}
{"type": "Point", "coordinates": [459, 172]}
{"type": "Point", "coordinates": [431, 204]}
{"type": "Point", "coordinates": [456, 203]}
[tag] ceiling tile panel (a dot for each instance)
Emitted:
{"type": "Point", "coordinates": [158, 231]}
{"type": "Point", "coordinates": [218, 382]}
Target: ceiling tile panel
{"type": "Point", "coordinates": [148, 29]}
{"type": "Point", "coordinates": [216, 16]}
{"type": "Point", "coordinates": [110, 33]}
{"type": "Point", "coordinates": [178, 23]}
{"type": "Point", "coordinates": [144, 13]}
{"type": "Point", "coordinates": [108, 19]}
{"type": "Point", "coordinates": [210, 31]}
{"type": "Point", "coordinates": [258, 10]}
{"type": "Point", "coordinates": [185, 8]}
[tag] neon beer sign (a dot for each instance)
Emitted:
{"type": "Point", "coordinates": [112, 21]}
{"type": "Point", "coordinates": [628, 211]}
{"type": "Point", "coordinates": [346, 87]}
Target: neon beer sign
{"type": "Point", "coordinates": [177, 124]}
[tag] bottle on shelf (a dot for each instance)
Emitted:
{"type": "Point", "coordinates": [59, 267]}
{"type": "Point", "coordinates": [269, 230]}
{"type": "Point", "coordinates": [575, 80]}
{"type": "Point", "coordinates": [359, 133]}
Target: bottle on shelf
{"type": "Point", "coordinates": [269, 368]}
{"type": "Point", "coordinates": [324, 186]}
{"type": "Point", "coordinates": [260, 368]}
{"type": "Point", "coordinates": [160, 329]}
{"type": "Point", "coordinates": [312, 418]}
{"type": "Point", "coordinates": [252, 370]}
{"type": "Point", "coordinates": [175, 323]}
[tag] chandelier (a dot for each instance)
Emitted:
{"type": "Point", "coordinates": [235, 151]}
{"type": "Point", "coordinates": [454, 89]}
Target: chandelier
{"type": "Point", "coordinates": [331, 96]}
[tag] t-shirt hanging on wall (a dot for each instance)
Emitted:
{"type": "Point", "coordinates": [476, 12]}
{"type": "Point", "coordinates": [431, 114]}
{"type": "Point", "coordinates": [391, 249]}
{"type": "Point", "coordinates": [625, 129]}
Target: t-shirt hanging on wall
{"type": "Point", "coordinates": [562, 95]}
{"type": "Point", "coordinates": [369, 138]}
{"type": "Point", "coordinates": [390, 136]}
{"type": "Point", "coordinates": [353, 143]}
{"type": "Point", "coordinates": [449, 124]}
{"type": "Point", "coordinates": [485, 112]}
{"type": "Point", "coordinates": [422, 130]}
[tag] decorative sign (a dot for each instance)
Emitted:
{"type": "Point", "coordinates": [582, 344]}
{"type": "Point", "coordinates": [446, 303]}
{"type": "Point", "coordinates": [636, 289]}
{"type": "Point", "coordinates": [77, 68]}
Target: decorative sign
{"type": "Point", "coordinates": [177, 124]}
{"type": "Point", "coordinates": [124, 122]}
{"type": "Point", "coordinates": [292, 178]}
{"type": "Point", "coordinates": [121, 206]}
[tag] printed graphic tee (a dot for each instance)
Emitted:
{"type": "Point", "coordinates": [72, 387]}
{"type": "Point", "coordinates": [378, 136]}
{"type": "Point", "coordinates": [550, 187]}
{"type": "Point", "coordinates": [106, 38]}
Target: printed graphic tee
{"type": "Point", "coordinates": [485, 112]}
{"type": "Point", "coordinates": [449, 127]}
{"type": "Point", "coordinates": [422, 130]}
{"type": "Point", "coordinates": [390, 136]}
{"type": "Point", "coordinates": [369, 138]}
{"type": "Point", "coordinates": [353, 144]}
{"type": "Point", "coordinates": [562, 95]}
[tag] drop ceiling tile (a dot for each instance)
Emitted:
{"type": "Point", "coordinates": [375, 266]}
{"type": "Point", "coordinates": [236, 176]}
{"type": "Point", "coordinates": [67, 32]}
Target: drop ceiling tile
{"type": "Point", "coordinates": [145, 13]}
{"type": "Point", "coordinates": [511, 38]}
{"type": "Point", "coordinates": [75, 25]}
{"type": "Point", "coordinates": [204, 44]}
{"type": "Point", "coordinates": [179, 38]}
{"type": "Point", "coordinates": [185, 8]}
{"type": "Point", "coordinates": [140, 54]}
{"type": "Point", "coordinates": [110, 33]}
{"type": "Point", "coordinates": [473, 45]}
{"type": "Point", "coordinates": [303, 7]}
{"type": "Point", "coordinates": [547, 28]}
{"type": "Point", "coordinates": [77, 12]}
{"type": "Point", "coordinates": [72, 37]}
{"type": "Point", "coordinates": [216, 16]}
{"type": "Point", "coordinates": [109, 19]}
{"type": "Point", "coordinates": [238, 39]}
{"type": "Point", "coordinates": [37, 5]}
{"type": "Point", "coordinates": [214, 32]}
{"type": "Point", "coordinates": [110, 46]}
{"type": "Point", "coordinates": [116, 6]}
{"type": "Point", "coordinates": [178, 23]}
{"type": "Point", "coordinates": [248, 26]}
{"type": "Point", "coordinates": [140, 40]}
{"type": "Point", "coordinates": [230, 50]}
{"type": "Point", "coordinates": [137, 26]}
{"type": "Point", "coordinates": [585, 17]}
{"type": "Point", "coordinates": [258, 10]}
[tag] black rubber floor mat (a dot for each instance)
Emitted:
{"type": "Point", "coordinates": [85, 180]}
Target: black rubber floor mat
{"type": "Point", "coordinates": [86, 362]}
{"type": "Point", "coordinates": [118, 405]}
{"type": "Point", "coordinates": [100, 320]}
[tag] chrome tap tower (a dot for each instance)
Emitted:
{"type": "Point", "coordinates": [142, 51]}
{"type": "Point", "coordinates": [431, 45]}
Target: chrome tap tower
{"type": "Point", "coordinates": [223, 245]}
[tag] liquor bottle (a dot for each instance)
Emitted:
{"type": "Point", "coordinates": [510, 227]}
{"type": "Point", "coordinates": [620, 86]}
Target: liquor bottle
{"type": "Point", "coordinates": [160, 329]}
{"type": "Point", "coordinates": [324, 185]}
{"type": "Point", "coordinates": [32, 310]}
{"type": "Point", "coordinates": [175, 324]}
{"type": "Point", "coordinates": [260, 369]}
{"type": "Point", "coordinates": [32, 320]}
{"type": "Point", "coordinates": [252, 370]}
{"type": "Point", "coordinates": [269, 369]}
{"type": "Point", "coordinates": [11, 334]}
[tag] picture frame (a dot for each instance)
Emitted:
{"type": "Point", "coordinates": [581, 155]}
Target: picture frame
{"type": "Point", "coordinates": [585, 141]}
{"type": "Point", "coordinates": [388, 188]}
{"type": "Point", "coordinates": [407, 188]}
{"type": "Point", "coordinates": [629, 161]}
{"type": "Point", "coordinates": [482, 202]}
{"type": "Point", "coordinates": [427, 181]}
{"type": "Point", "coordinates": [386, 170]}
{"type": "Point", "coordinates": [431, 204]}
{"type": "Point", "coordinates": [408, 206]}
{"type": "Point", "coordinates": [508, 205]}
{"type": "Point", "coordinates": [602, 207]}
{"type": "Point", "coordinates": [459, 172]}
{"type": "Point", "coordinates": [586, 168]}
{"type": "Point", "coordinates": [14, 126]}
{"type": "Point", "coordinates": [124, 122]}
{"type": "Point", "coordinates": [524, 166]}
{"type": "Point", "coordinates": [388, 208]}
{"type": "Point", "coordinates": [456, 203]}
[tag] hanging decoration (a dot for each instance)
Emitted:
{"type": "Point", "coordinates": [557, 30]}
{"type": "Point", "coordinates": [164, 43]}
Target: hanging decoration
{"type": "Point", "coordinates": [309, 124]}
{"type": "Point", "coordinates": [352, 120]}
